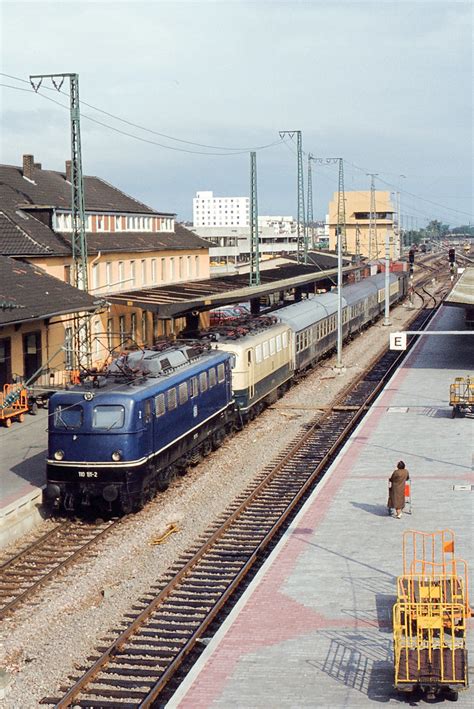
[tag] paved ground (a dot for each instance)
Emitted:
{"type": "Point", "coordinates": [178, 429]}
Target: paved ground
{"type": "Point", "coordinates": [23, 450]}
{"type": "Point", "coordinates": [314, 628]}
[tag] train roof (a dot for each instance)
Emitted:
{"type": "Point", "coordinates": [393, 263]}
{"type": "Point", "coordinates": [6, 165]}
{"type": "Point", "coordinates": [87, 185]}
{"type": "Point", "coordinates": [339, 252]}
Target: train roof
{"type": "Point", "coordinates": [308, 312]}
{"type": "Point", "coordinates": [153, 369]}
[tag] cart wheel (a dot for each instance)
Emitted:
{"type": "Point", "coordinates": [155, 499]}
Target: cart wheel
{"type": "Point", "coordinates": [8, 422]}
{"type": "Point", "coordinates": [452, 695]}
{"type": "Point", "coordinates": [21, 418]}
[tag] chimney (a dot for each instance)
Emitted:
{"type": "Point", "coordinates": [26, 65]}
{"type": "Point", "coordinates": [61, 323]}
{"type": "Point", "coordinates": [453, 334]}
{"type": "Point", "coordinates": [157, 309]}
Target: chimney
{"type": "Point", "coordinates": [28, 164]}
{"type": "Point", "coordinates": [68, 170]}
{"type": "Point", "coordinates": [37, 165]}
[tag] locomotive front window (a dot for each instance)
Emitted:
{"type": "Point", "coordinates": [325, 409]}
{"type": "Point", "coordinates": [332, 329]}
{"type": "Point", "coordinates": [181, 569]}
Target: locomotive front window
{"type": "Point", "coordinates": [107, 417]}
{"type": "Point", "coordinates": [220, 373]}
{"type": "Point", "coordinates": [68, 416]}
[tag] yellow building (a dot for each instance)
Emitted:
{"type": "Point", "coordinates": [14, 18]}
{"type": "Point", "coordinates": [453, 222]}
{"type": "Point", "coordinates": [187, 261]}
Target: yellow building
{"type": "Point", "coordinates": [130, 247]}
{"type": "Point", "coordinates": [360, 238]}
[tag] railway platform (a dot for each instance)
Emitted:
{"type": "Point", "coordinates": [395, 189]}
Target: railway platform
{"type": "Point", "coordinates": [23, 449]}
{"type": "Point", "coordinates": [314, 628]}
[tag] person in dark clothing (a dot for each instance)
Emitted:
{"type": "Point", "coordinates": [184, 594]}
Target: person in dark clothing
{"type": "Point", "coordinates": [396, 483]}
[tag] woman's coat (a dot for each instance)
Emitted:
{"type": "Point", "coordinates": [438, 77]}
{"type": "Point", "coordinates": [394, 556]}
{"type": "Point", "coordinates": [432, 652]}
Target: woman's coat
{"type": "Point", "coordinates": [396, 495]}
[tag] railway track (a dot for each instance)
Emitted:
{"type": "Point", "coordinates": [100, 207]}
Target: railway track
{"type": "Point", "coordinates": [23, 574]}
{"type": "Point", "coordinates": [137, 661]}
{"type": "Point", "coordinates": [27, 572]}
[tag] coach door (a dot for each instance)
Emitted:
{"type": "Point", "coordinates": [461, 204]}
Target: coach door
{"type": "Point", "coordinates": [31, 353]}
{"type": "Point", "coordinates": [5, 361]}
{"type": "Point", "coordinates": [251, 374]}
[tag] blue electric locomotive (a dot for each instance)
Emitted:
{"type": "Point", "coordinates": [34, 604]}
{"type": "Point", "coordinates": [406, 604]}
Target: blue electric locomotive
{"type": "Point", "coordinates": [117, 439]}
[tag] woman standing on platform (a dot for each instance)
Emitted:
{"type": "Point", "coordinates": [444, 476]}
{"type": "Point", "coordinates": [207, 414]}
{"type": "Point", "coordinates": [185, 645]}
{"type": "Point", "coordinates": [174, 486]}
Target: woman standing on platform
{"type": "Point", "coordinates": [396, 484]}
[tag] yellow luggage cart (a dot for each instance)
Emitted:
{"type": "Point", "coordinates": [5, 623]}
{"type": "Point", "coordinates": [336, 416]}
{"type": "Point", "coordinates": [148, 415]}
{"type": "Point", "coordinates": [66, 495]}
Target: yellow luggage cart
{"type": "Point", "coordinates": [13, 404]}
{"type": "Point", "coordinates": [461, 396]}
{"type": "Point", "coordinates": [430, 648]}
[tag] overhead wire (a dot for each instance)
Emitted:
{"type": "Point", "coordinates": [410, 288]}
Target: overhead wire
{"type": "Point", "coordinates": [230, 150]}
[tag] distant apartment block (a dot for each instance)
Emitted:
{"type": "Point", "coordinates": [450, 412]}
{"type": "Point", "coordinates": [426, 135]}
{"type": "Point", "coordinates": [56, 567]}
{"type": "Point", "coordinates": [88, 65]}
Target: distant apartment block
{"type": "Point", "coordinates": [229, 246]}
{"type": "Point", "coordinates": [210, 211]}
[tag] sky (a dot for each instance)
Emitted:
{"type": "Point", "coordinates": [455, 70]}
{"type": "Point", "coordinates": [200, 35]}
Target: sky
{"type": "Point", "coordinates": [387, 86]}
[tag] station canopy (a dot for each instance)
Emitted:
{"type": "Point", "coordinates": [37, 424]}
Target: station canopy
{"type": "Point", "coordinates": [178, 299]}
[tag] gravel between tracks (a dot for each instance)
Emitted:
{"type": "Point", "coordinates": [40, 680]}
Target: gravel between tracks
{"type": "Point", "coordinates": [42, 644]}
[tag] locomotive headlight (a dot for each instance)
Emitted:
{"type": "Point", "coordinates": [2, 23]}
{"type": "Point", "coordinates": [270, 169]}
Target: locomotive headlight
{"type": "Point", "coordinates": [116, 456]}
{"type": "Point", "coordinates": [58, 455]}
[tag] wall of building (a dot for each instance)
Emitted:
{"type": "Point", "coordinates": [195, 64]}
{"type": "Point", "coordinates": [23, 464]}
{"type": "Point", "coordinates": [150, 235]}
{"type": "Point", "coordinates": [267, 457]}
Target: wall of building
{"type": "Point", "coordinates": [220, 211]}
{"type": "Point", "coordinates": [357, 209]}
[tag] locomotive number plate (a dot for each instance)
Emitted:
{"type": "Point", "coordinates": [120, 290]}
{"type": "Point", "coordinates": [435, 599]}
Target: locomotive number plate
{"type": "Point", "coordinates": [88, 473]}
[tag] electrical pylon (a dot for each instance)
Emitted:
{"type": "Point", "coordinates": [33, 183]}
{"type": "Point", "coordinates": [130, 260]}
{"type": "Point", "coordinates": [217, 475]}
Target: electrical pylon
{"type": "Point", "coordinates": [82, 334]}
{"type": "Point", "coordinates": [254, 275]}
{"type": "Point", "coordinates": [302, 232]}
{"type": "Point", "coordinates": [373, 242]}
{"type": "Point", "coordinates": [341, 207]}
{"type": "Point", "coordinates": [309, 208]}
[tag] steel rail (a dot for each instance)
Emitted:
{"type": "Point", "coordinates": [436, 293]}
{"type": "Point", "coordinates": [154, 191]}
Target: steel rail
{"type": "Point", "coordinates": [346, 417]}
{"type": "Point", "coordinates": [56, 560]}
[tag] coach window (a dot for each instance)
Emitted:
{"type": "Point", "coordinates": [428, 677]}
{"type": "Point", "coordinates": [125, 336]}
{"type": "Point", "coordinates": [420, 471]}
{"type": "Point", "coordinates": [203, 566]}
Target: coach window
{"type": "Point", "coordinates": [194, 387]}
{"type": "Point", "coordinates": [272, 346]}
{"type": "Point", "coordinates": [159, 405]}
{"type": "Point", "coordinates": [285, 339]}
{"type": "Point", "coordinates": [172, 400]}
{"type": "Point", "coordinates": [258, 354]}
{"type": "Point", "coordinates": [203, 381]}
{"type": "Point", "coordinates": [266, 350]}
{"type": "Point", "coordinates": [220, 373]}
{"type": "Point", "coordinates": [183, 393]}
{"type": "Point", "coordinates": [212, 377]}
{"type": "Point", "coordinates": [107, 417]}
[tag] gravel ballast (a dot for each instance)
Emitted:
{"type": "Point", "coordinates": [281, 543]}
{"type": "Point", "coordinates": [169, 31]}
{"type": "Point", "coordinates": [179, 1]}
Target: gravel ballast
{"type": "Point", "coordinates": [42, 644]}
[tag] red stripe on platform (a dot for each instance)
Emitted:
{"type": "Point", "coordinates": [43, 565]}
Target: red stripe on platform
{"type": "Point", "coordinates": [254, 627]}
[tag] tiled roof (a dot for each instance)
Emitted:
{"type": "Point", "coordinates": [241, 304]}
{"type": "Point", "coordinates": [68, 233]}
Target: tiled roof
{"type": "Point", "coordinates": [35, 294]}
{"type": "Point", "coordinates": [50, 188]}
{"type": "Point", "coordinates": [109, 242]}
{"type": "Point", "coordinates": [23, 235]}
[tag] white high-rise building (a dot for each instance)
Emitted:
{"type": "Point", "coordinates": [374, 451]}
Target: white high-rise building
{"type": "Point", "coordinates": [220, 211]}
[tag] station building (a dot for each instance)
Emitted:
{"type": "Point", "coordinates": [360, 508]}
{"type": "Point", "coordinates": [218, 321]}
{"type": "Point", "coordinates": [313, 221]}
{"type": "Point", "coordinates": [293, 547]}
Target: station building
{"type": "Point", "coordinates": [357, 208]}
{"type": "Point", "coordinates": [130, 245]}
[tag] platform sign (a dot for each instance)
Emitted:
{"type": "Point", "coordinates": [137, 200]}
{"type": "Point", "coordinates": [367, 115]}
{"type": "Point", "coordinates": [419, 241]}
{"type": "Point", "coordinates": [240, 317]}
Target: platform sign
{"type": "Point", "coordinates": [398, 340]}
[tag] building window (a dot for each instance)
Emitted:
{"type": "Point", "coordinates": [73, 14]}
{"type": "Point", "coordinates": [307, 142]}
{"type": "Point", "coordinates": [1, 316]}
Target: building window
{"type": "Point", "coordinates": [110, 333]}
{"type": "Point", "coordinates": [67, 274]}
{"type": "Point", "coordinates": [68, 348]}
{"type": "Point", "coordinates": [153, 271]}
{"type": "Point", "coordinates": [144, 327]}
{"type": "Point", "coordinates": [133, 326]}
{"type": "Point", "coordinates": [118, 223]}
{"type": "Point", "coordinates": [144, 271]}
{"type": "Point", "coordinates": [132, 273]}
{"type": "Point", "coordinates": [163, 269]}
{"type": "Point", "coordinates": [172, 268]}
{"type": "Point", "coordinates": [95, 276]}
{"type": "Point", "coordinates": [121, 274]}
{"type": "Point", "coordinates": [96, 337]}
{"type": "Point", "coordinates": [196, 265]}
{"type": "Point", "coordinates": [181, 264]}
{"type": "Point", "coordinates": [108, 274]}
{"type": "Point", "coordinates": [122, 329]}
{"type": "Point", "coordinates": [100, 223]}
